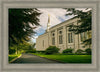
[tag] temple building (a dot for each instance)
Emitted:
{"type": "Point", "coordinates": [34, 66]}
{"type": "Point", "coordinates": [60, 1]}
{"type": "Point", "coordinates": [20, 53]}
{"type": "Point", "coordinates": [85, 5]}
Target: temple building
{"type": "Point", "coordinates": [61, 37]}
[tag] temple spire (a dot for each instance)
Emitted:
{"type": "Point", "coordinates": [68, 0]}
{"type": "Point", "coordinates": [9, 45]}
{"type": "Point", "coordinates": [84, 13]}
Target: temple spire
{"type": "Point", "coordinates": [48, 24]}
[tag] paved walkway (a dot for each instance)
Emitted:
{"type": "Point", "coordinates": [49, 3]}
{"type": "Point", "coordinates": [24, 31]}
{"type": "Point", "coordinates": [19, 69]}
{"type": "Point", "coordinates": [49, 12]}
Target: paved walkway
{"type": "Point", "coordinates": [29, 58]}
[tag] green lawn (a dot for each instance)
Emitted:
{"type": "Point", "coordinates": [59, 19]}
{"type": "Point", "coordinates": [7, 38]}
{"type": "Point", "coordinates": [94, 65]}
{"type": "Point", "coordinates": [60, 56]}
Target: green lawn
{"type": "Point", "coordinates": [11, 57]}
{"type": "Point", "coordinates": [67, 58]}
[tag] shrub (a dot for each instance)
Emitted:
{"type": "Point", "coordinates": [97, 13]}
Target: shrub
{"type": "Point", "coordinates": [67, 51]}
{"type": "Point", "coordinates": [52, 50]}
{"type": "Point", "coordinates": [40, 52]}
{"type": "Point", "coordinates": [30, 51]}
{"type": "Point", "coordinates": [79, 51]}
{"type": "Point", "coordinates": [88, 51]}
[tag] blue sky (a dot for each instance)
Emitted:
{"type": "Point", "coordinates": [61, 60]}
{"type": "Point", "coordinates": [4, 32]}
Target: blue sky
{"type": "Point", "coordinates": [57, 15]}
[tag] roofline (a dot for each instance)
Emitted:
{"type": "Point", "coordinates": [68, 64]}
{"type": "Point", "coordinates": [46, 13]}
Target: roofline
{"type": "Point", "coordinates": [42, 34]}
{"type": "Point", "coordinates": [58, 24]}
{"type": "Point", "coordinates": [64, 22]}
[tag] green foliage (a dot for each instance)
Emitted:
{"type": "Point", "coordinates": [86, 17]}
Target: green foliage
{"type": "Point", "coordinates": [66, 51]}
{"type": "Point", "coordinates": [27, 48]}
{"type": "Point", "coordinates": [79, 51]}
{"type": "Point", "coordinates": [20, 21]}
{"type": "Point", "coordinates": [22, 48]}
{"type": "Point", "coordinates": [13, 56]}
{"type": "Point", "coordinates": [12, 50]}
{"type": "Point", "coordinates": [43, 52]}
{"type": "Point", "coordinates": [88, 51]}
{"type": "Point", "coordinates": [34, 45]}
{"type": "Point", "coordinates": [52, 50]}
{"type": "Point", "coordinates": [85, 20]}
{"type": "Point", "coordinates": [30, 51]}
{"type": "Point", "coordinates": [21, 29]}
{"type": "Point", "coordinates": [69, 53]}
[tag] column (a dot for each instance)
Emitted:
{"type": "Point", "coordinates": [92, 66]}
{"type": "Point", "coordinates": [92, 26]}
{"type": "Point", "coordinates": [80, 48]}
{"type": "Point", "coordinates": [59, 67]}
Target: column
{"type": "Point", "coordinates": [64, 37]}
{"type": "Point", "coordinates": [56, 38]}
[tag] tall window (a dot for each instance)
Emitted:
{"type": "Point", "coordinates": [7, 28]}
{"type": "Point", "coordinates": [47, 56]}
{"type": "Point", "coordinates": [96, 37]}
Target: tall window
{"type": "Point", "coordinates": [53, 39]}
{"type": "Point", "coordinates": [70, 38]}
{"type": "Point", "coordinates": [85, 35]}
{"type": "Point", "coordinates": [60, 37]}
{"type": "Point", "coordinates": [82, 36]}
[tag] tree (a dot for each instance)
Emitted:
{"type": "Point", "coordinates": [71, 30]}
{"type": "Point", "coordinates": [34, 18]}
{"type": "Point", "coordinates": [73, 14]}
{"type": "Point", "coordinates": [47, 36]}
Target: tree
{"type": "Point", "coordinates": [84, 23]}
{"type": "Point", "coordinates": [20, 24]}
{"type": "Point", "coordinates": [34, 45]}
{"type": "Point", "coordinates": [88, 51]}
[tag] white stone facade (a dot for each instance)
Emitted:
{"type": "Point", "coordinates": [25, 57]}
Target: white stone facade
{"type": "Point", "coordinates": [60, 37]}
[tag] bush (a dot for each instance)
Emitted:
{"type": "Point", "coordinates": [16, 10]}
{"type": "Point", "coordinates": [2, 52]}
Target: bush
{"type": "Point", "coordinates": [52, 50]}
{"type": "Point", "coordinates": [88, 51]}
{"type": "Point", "coordinates": [79, 51]}
{"type": "Point", "coordinates": [67, 51]}
{"type": "Point", "coordinates": [30, 51]}
{"type": "Point", "coordinates": [40, 52]}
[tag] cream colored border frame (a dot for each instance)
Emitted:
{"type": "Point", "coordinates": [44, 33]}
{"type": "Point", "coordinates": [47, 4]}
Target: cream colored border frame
{"type": "Point", "coordinates": [5, 67]}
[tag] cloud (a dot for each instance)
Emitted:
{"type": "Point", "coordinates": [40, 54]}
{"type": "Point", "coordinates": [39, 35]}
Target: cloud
{"type": "Point", "coordinates": [57, 15]}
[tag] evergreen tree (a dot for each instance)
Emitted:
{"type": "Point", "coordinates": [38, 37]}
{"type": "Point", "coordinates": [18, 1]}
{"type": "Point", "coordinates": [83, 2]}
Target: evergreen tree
{"type": "Point", "coordinates": [84, 23]}
{"type": "Point", "coordinates": [20, 24]}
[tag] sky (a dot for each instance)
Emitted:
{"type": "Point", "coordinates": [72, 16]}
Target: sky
{"type": "Point", "coordinates": [57, 15]}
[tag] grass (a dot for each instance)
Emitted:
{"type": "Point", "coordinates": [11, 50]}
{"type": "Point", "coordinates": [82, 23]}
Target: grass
{"type": "Point", "coordinates": [11, 57]}
{"type": "Point", "coordinates": [67, 58]}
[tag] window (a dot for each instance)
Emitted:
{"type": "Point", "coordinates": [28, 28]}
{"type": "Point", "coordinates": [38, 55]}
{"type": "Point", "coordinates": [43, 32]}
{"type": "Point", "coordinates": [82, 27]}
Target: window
{"type": "Point", "coordinates": [60, 37]}
{"type": "Point", "coordinates": [53, 41]}
{"type": "Point", "coordinates": [82, 36]}
{"type": "Point", "coordinates": [85, 35]}
{"type": "Point", "coordinates": [70, 38]}
{"type": "Point", "coordinates": [53, 38]}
